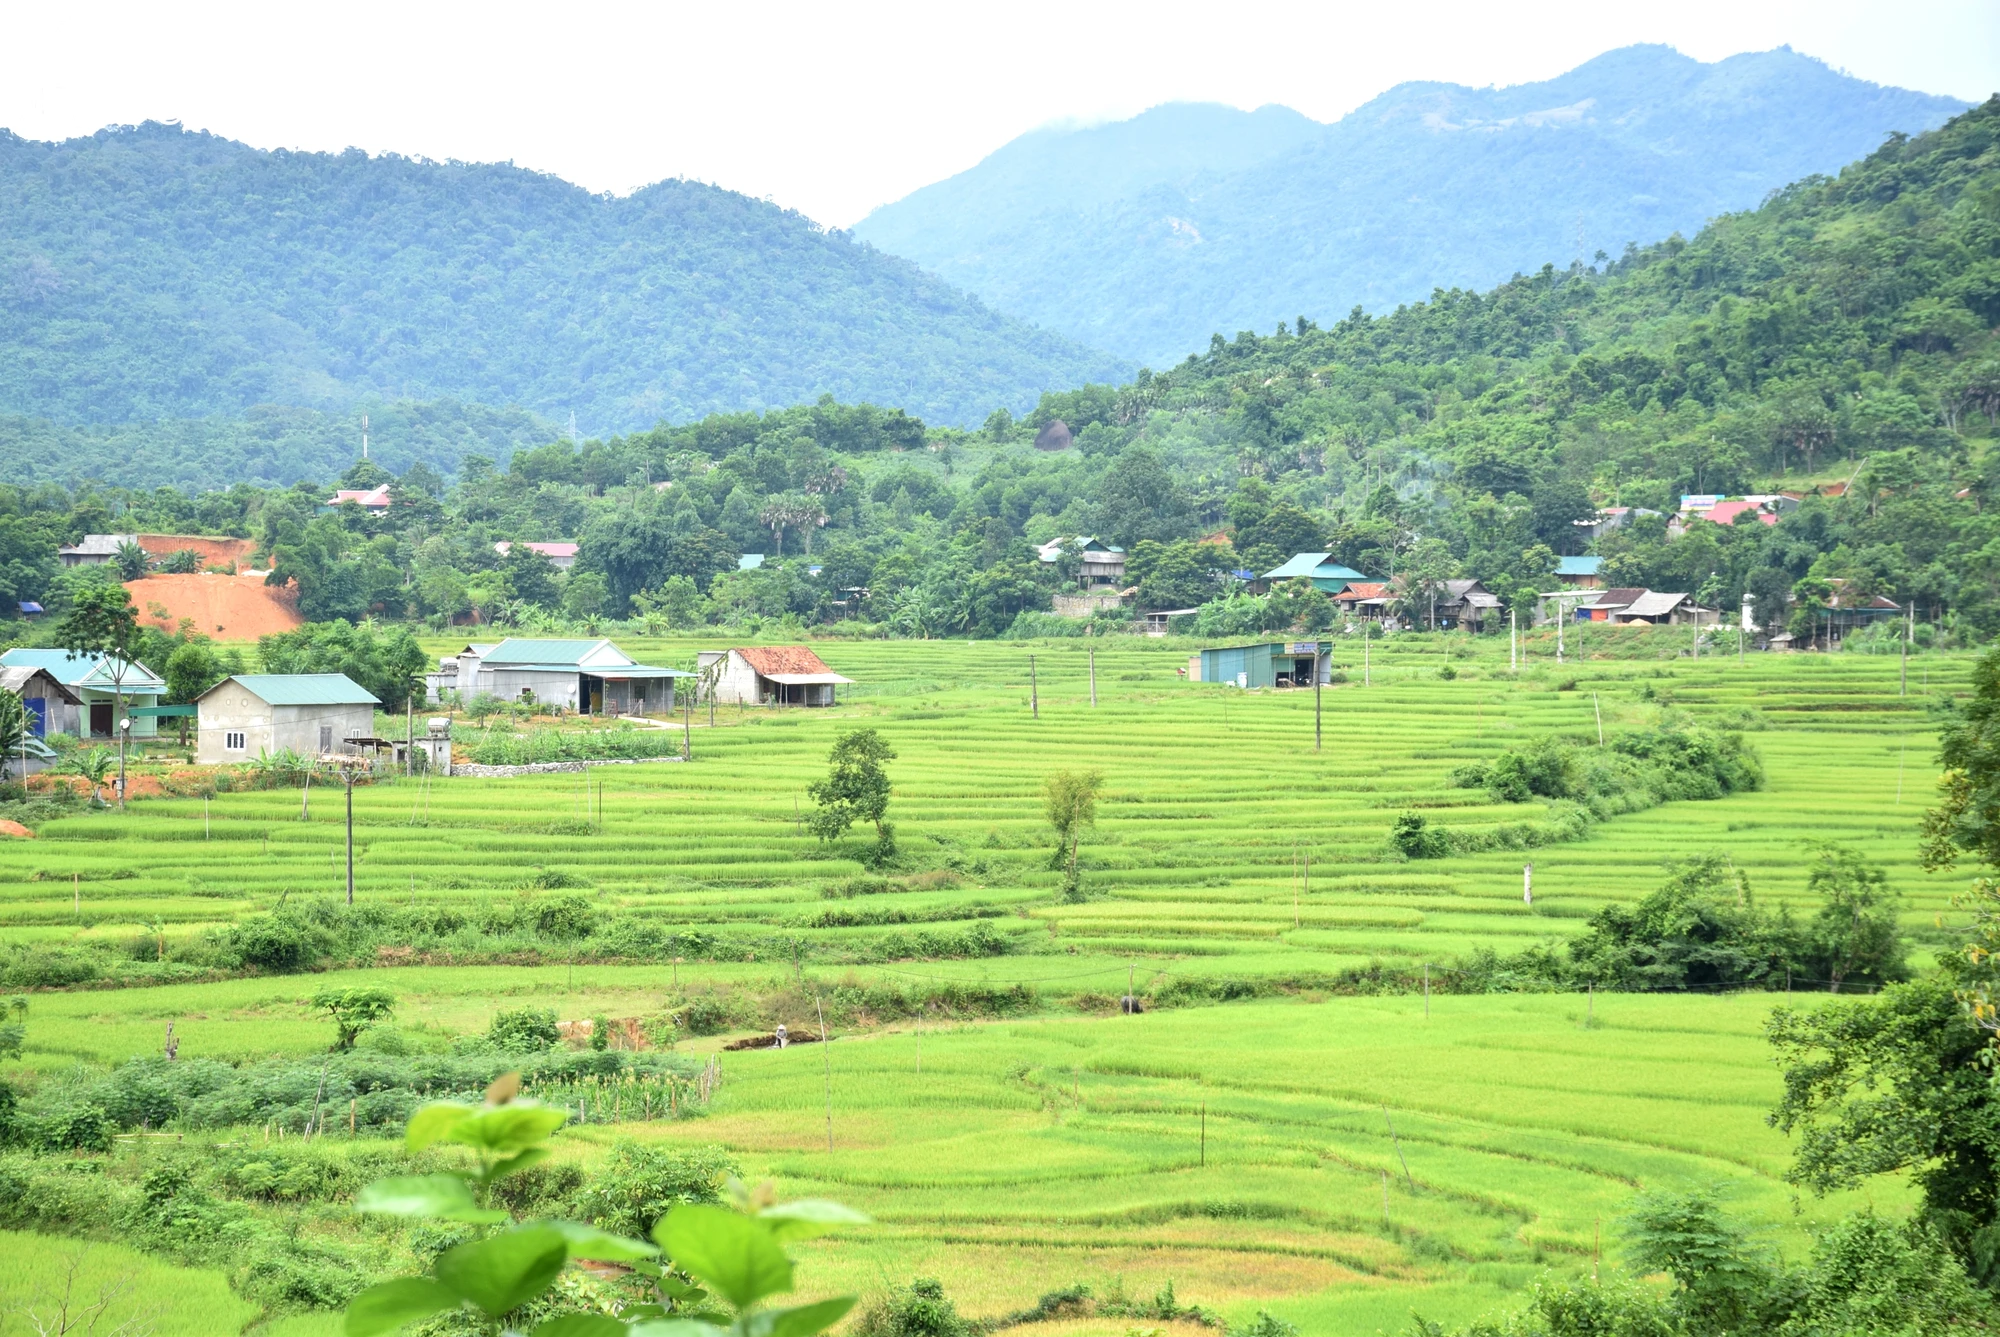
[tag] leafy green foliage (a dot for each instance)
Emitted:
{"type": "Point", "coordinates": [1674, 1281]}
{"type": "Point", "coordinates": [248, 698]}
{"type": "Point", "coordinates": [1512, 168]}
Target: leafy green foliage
{"type": "Point", "coordinates": [523, 1030]}
{"type": "Point", "coordinates": [736, 1255]}
{"type": "Point", "coordinates": [353, 1011]}
{"type": "Point", "coordinates": [856, 789]}
{"type": "Point", "coordinates": [1070, 800]}
{"type": "Point", "coordinates": [385, 661]}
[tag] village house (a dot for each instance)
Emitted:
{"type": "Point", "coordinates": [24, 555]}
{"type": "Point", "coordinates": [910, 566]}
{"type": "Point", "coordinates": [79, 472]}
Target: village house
{"type": "Point", "coordinates": [47, 700]}
{"type": "Point", "coordinates": [1626, 607]}
{"type": "Point", "coordinates": [97, 682]}
{"type": "Point", "coordinates": [1465, 603]}
{"type": "Point", "coordinates": [1103, 564]}
{"type": "Point", "coordinates": [252, 714]}
{"type": "Point", "coordinates": [94, 549]}
{"type": "Point", "coordinates": [561, 556]}
{"type": "Point", "coordinates": [784, 675]}
{"type": "Point", "coordinates": [591, 677]}
{"type": "Point", "coordinates": [374, 500]}
{"type": "Point", "coordinates": [1610, 518]}
{"type": "Point", "coordinates": [1366, 599]}
{"type": "Point", "coordinates": [1266, 664]}
{"type": "Point", "coordinates": [1327, 576]}
{"type": "Point", "coordinates": [1580, 573]}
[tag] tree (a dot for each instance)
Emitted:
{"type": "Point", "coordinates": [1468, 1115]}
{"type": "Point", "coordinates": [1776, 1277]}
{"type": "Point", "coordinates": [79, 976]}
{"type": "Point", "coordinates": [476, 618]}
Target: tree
{"type": "Point", "coordinates": [385, 661]}
{"type": "Point", "coordinates": [524, 1029]}
{"type": "Point", "coordinates": [531, 577]}
{"type": "Point", "coordinates": [856, 789]}
{"type": "Point", "coordinates": [1070, 800]}
{"type": "Point", "coordinates": [353, 1011]}
{"type": "Point", "coordinates": [181, 562]}
{"type": "Point", "coordinates": [1853, 937]}
{"type": "Point", "coordinates": [102, 624]}
{"type": "Point", "coordinates": [13, 728]}
{"type": "Point", "coordinates": [190, 670]}
{"type": "Point", "coordinates": [1701, 929]}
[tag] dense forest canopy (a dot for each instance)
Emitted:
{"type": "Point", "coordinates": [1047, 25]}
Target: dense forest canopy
{"type": "Point", "coordinates": [1144, 235]}
{"type": "Point", "coordinates": [1841, 334]}
{"type": "Point", "coordinates": [148, 272]}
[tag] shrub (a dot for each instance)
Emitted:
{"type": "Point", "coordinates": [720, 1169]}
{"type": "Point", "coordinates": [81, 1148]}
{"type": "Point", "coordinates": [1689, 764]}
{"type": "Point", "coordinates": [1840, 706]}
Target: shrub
{"type": "Point", "coordinates": [70, 1127]}
{"type": "Point", "coordinates": [639, 1184]}
{"type": "Point", "coordinates": [1418, 839]}
{"type": "Point", "coordinates": [46, 968]}
{"type": "Point", "coordinates": [525, 1029]}
{"type": "Point", "coordinates": [706, 1015]}
{"type": "Point", "coordinates": [282, 943]}
{"type": "Point", "coordinates": [920, 1309]}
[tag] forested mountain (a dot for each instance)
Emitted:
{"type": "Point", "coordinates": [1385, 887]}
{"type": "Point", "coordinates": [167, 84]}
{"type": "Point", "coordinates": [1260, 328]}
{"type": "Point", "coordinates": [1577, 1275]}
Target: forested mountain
{"type": "Point", "coordinates": [148, 272]}
{"type": "Point", "coordinates": [266, 446]}
{"type": "Point", "coordinates": [1148, 236]}
{"type": "Point", "coordinates": [1844, 333]}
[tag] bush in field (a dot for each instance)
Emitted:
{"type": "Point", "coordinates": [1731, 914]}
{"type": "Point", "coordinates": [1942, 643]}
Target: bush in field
{"type": "Point", "coordinates": [1416, 838]}
{"type": "Point", "coordinates": [706, 1015]}
{"type": "Point", "coordinates": [353, 1011]}
{"type": "Point", "coordinates": [524, 1030]}
{"type": "Point", "coordinates": [281, 942]}
{"type": "Point", "coordinates": [920, 1309]}
{"type": "Point", "coordinates": [1638, 769]}
{"type": "Point", "coordinates": [1701, 929]}
{"type": "Point", "coordinates": [46, 968]}
{"type": "Point", "coordinates": [639, 1184]}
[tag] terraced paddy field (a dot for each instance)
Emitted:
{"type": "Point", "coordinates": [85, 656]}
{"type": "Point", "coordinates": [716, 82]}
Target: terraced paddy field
{"type": "Point", "coordinates": [1337, 1159]}
{"type": "Point", "coordinates": [1225, 843]}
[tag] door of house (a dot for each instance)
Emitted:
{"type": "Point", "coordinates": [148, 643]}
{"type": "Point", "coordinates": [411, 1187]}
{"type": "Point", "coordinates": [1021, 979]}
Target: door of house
{"type": "Point", "coordinates": [326, 738]}
{"type": "Point", "coordinates": [102, 725]}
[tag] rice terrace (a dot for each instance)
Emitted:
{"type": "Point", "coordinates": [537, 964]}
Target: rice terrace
{"type": "Point", "coordinates": [1329, 1107]}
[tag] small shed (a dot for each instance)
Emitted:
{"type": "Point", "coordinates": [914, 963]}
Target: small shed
{"type": "Point", "coordinates": [98, 682]}
{"type": "Point", "coordinates": [1269, 664]}
{"type": "Point", "coordinates": [310, 713]}
{"type": "Point", "coordinates": [784, 675]}
{"type": "Point", "coordinates": [47, 700]}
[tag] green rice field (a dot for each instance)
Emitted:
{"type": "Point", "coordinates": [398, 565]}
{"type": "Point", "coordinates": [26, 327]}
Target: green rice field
{"type": "Point", "coordinates": [1336, 1159]}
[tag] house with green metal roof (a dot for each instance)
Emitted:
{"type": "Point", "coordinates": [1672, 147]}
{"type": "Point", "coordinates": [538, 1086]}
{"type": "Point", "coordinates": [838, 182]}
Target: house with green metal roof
{"type": "Point", "coordinates": [592, 677]}
{"type": "Point", "coordinates": [314, 714]}
{"type": "Point", "coordinates": [1327, 575]}
{"type": "Point", "coordinates": [100, 683]}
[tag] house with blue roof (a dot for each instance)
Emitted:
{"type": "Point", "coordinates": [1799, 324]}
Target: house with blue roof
{"type": "Point", "coordinates": [100, 683]}
{"type": "Point", "coordinates": [1581, 573]}
{"type": "Point", "coordinates": [591, 677]}
{"type": "Point", "coordinates": [1327, 575]}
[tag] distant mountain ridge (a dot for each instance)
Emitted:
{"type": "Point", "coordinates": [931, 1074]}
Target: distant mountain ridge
{"type": "Point", "coordinates": [1147, 236]}
{"type": "Point", "coordinates": [151, 272]}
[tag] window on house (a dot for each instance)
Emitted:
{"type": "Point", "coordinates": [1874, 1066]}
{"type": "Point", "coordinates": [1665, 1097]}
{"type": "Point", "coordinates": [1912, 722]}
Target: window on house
{"type": "Point", "coordinates": [233, 742]}
{"type": "Point", "coordinates": [326, 738]}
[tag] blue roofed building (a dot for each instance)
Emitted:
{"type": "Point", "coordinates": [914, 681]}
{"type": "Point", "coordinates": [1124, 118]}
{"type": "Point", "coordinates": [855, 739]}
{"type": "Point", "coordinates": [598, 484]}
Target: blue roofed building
{"type": "Point", "coordinates": [1327, 575]}
{"type": "Point", "coordinates": [99, 683]}
{"type": "Point", "coordinates": [1581, 573]}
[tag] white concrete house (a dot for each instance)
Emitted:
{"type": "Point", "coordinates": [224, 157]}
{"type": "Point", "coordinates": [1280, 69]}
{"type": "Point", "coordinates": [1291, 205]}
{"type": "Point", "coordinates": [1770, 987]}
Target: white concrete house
{"type": "Point", "coordinates": [785, 675]}
{"type": "Point", "coordinates": [590, 677]}
{"type": "Point", "coordinates": [310, 713]}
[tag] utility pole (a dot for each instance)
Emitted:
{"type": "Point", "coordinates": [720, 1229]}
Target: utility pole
{"type": "Point", "coordinates": [1513, 641]}
{"type": "Point", "coordinates": [1598, 706]}
{"type": "Point", "coordinates": [1559, 630]}
{"type": "Point", "coordinates": [1034, 690]}
{"type": "Point", "coordinates": [687, 730]}
{"type": "Point", "coordinates": [1909, 631]}
{"type": "Point", "coordinates": [410, 740]}
{"type": "Point", "coordinates": [1317, 735]}
{"type": "Point", "coordinates": [364, 436]}
{"type": "Point", "coordinates": [1364, 655]}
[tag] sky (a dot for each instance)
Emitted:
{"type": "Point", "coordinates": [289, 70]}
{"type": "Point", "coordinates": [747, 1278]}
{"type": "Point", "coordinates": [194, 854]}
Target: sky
{"type": "Point", "coordinates": [833, 109]}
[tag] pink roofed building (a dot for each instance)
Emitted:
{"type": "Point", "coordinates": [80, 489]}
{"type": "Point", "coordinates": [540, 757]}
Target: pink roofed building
{"type": "Point", "coordinates": [561, 556]}
{"type": "Point", "coordinates": [374, 500]}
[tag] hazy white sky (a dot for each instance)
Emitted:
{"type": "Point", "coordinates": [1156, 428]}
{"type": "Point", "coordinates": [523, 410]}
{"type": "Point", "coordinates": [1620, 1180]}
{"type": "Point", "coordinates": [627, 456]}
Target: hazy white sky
{"type": "Point", "coordinates": [835, 108]}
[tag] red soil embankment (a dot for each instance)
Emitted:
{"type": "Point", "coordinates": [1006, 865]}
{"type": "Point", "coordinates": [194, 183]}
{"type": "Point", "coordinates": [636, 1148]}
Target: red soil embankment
{"type": "Point", "coordinates": [213, 552]}
{"type": "Point", "coordinates": [235, 608]}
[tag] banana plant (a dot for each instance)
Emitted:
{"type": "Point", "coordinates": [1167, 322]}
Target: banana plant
{"type": "Point", "coordinates": [711, 1268]}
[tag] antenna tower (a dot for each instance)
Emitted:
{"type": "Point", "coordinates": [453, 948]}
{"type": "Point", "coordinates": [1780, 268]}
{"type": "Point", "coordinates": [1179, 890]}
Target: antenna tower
{"type": "Point", "coordinates": [364, 436]}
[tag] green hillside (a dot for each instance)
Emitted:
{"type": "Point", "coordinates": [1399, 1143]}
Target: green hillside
{"type": "Point", "coordinates": [154, 273]}
{"type": "Point", "coordinates": [1148, 235]}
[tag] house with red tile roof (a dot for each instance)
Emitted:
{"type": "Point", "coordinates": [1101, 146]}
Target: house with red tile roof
{"type": "Point", "coordinates": [782, 675]}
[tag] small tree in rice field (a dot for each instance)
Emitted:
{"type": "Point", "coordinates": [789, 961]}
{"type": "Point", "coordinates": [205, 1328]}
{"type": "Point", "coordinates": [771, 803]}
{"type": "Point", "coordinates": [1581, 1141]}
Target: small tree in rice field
{"type": "Point", "coordinates": [353, 1011]}
{"type": "Point", "coordinates": [856, 789]}
{"type": "Point", "coordinates": [1070, 798]}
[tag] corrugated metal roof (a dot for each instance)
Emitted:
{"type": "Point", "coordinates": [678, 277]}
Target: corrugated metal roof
{"type": "Point", "coordinates": [554, 653]}
{"type": "Point", "coordinates": [304, 689]}
{"type": "Point", "coordinates": [1302, 564]}
{"type": "Point", "coordinates": [16, 677]}
{"type": "Point", "coordinates": [92, 671]}
{"type": "Point", "coordinates": [1651, 604]}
